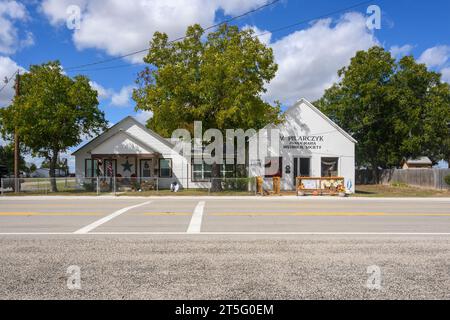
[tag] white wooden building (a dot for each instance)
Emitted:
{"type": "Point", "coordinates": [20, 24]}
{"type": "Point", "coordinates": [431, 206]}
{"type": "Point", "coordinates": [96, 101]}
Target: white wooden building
{"type": "Point", "coordinates": [310, 145]}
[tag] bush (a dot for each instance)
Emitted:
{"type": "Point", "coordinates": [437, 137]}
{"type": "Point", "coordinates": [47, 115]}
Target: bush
{"type": "Point", "coordinates": [398, 184]}
{"type": "Point", "coordinates": [447, 179]}
{"type": "Point", "coordinates": [89, 187]}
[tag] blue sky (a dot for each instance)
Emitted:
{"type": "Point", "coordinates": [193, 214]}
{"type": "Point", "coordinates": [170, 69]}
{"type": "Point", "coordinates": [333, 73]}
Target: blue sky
{"type": "Point", "coordinates": [309, 54]}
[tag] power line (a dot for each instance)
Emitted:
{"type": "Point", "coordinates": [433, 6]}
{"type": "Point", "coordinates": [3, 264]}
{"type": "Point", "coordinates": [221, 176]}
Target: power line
{"type": "Point", "coordinates": [255, 36]}
{"type": "Point", "coordinates": [315, 18]}
{"type": "Point", "coordinates": [174, 40]}
{"type": "Point", "coordinates": [8, 80]}
{"type": "Point", "coordinates": [106, 68]}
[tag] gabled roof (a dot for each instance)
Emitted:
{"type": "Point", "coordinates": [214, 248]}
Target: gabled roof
{"type": "Point", "coordinates": [419, 160]}
{"type": "Point", "coordinates": [321, 114]}
{"type": "Point", "coordinates": [129, 136]}
{"type": "Point", "coordinates": [98, 139]}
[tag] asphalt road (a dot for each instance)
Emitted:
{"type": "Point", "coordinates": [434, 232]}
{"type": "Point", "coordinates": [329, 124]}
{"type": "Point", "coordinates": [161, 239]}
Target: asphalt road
{"type": "Point", "coordinates": [235, 249]}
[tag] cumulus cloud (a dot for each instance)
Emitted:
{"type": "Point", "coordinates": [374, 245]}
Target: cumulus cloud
{"type": "Point", "coordinates": [399, 52]}
{"type": "Point", "coordinates": [446, 75]}
{"type": "Point", "coordinates": [119, 27]}
{"type": "Point", "coordinates": [103, 93]}
{"type": "Point", "coordinates": [143, 116]}
{"type": "Point", "coordinates": [10, 39]}
{"type": "Point", "coordinates": [308, 60]}
{"type": "Point", "coordinates": [7, 67]}
{"type": "Point", "coordinates": [263, 35]}
{"type": "Point", "coordinates": [123, 97]}
{"type": "Point", "coordinates": [435, 56]}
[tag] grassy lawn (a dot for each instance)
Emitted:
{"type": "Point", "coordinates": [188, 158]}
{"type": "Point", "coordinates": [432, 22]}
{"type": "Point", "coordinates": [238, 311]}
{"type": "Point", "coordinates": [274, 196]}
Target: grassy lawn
{"type": "Point", "coordinates": [397, 191]}
{"type": "Point", "coordinates": [42, 193]}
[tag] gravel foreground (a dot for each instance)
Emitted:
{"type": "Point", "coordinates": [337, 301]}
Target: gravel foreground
{"type": "Point", "coordinates": [225, 267]}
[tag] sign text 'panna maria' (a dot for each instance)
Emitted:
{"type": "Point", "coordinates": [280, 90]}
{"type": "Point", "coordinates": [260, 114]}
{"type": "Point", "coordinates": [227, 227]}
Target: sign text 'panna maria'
{"type": "Point", "coordinates": [302, 142]}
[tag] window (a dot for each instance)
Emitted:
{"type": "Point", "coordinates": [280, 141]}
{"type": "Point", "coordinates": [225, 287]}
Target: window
{"type": "Point", "coordinates": [90, 168]}
{"type": "Point", "coordinates": [146, 167]}
{"type": "Point", "coordinates": [305, 167]}
{"type": "Point", "coordinates": [203, 171]}
{"type": "Point", "coordinates": [330, 167]}
{"type": "Point", "coordinates": [228, 170]}
{"type": "Point", "coordinates": [273, 167]}
{"type": "Point", "coordinates": [165, 168]}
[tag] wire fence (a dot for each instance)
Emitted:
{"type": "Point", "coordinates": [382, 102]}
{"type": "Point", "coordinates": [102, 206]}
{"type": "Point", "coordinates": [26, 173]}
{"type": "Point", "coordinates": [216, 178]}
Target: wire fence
{"type": "Point", "coordinates": [127, 186]}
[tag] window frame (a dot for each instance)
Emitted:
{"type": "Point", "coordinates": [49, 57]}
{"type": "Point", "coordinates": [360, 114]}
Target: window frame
{"type": "Point", "coordinates": [170, 167]}
{"type": "Point", "coordinates": [223, 171]}
{"type": "Point", "coordinates": [337, 166]}
{"type": "Point", "coordinates": [93, 168]}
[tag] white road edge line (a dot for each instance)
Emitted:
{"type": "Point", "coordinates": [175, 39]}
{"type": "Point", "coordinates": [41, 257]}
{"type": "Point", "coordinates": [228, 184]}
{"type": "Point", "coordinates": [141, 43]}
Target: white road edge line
{"type": "Point", "coordinates": [234, 233]}
{"type": "Point", "coordinates": [197, 216]}
{"type": "Point", "coordinates": [103, 220]}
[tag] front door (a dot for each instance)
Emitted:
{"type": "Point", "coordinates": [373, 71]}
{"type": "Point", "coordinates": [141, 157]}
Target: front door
{"type": "Point", "coordinates": [302, 168]}
{"type": "Point", "coordinates": [146, 166]}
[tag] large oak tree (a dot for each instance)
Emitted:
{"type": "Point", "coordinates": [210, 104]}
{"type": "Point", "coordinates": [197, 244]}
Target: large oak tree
{"type": "Point", "coordinates": [52, 113]}
{"type": "Point", "coordinates": [216, 78]}
{"type": "Point", "coordinates": [395, 109]}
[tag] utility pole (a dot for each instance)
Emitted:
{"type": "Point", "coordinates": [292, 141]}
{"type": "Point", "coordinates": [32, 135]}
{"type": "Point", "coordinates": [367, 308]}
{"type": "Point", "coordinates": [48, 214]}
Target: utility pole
{"type": "Point", "coordinates": [16, 143]}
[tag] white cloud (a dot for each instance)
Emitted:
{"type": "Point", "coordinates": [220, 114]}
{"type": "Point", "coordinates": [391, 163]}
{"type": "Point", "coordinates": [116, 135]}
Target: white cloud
{"type": "Point", "coordinates": [123, 97]}
{"type": "Point", "coordinates": [10, 40]}
{"type": "Point", "coordinates": [399, 52]}
{"type": "Point", "coordinates": [103, 93]}
{"type": "Point", "coordinates": [119, 27]}
{"type": "Point", "coordinates": [435, 56]}
{"type": "Point", "coordinates": [308, 60]}
{"type": "Point", "coordinates": [7, 68]}
{"type": "Point", "coordinates": [446, 75]}
{"type": "Point", "coordinates": [263, 35]}
{"type": "Point", "coordinates": [143, 116]}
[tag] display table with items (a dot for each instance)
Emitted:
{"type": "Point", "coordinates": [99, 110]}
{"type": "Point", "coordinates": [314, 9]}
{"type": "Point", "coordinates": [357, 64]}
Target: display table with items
{"type": "Point", "coordinates": [320, 186]}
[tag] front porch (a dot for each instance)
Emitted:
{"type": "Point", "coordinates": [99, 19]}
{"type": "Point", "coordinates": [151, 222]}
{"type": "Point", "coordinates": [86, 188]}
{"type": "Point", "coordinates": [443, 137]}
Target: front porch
{"type": "Point", "coordinates": [133, 172]}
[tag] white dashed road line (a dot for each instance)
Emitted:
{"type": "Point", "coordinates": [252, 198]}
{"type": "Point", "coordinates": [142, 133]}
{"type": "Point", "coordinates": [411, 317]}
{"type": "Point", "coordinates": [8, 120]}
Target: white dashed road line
{"type": "Point", "coordinates": [197, 216]}
{"type": "Point", "coordinates": [103, 220]}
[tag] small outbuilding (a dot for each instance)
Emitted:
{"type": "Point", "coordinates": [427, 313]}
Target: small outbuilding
{"type": "Point", "coordinates": [417, 163]}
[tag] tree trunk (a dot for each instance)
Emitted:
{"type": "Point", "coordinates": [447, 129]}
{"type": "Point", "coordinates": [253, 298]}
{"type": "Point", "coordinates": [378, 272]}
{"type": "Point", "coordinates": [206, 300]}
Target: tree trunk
{"type": "Point", "coordinates": [216, 182]}
{"type": "Point", "coordinates": [375, 174]}
{"type": "Point", "coordinates": [52, 171]}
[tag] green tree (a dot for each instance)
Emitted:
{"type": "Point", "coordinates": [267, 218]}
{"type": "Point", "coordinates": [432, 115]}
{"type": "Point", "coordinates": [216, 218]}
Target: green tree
{"type": "Point", "coordinates": [7, 158]}
{"type": "Point", "coordinates": [217, 79]}
{"type": "Point", "coordinates": [33, 168]}
{"type": "Point", "coordinates": [52, 112]}
{"type": "Point", "coordinates": [394, 109]}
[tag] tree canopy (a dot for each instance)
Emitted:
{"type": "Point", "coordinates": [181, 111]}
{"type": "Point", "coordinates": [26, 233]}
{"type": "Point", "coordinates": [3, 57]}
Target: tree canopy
{"type": "Point", "coordinates": [217, 79]}
{"type": "Point", "coordinates": [395, 109]}
{"type": "Point", "coordinates": [53, 112]}
{"type": "Point", "coordinates": [7, 159]}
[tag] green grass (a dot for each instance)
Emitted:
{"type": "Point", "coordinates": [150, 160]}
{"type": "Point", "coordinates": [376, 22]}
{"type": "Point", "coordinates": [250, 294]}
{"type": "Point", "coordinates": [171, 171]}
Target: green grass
{"type": "Point", "coordinates": [397, 190]}
{"type": "Point", "coordinates": [187, 192]}
{"type": "Point", "coordinates": [390, 191]}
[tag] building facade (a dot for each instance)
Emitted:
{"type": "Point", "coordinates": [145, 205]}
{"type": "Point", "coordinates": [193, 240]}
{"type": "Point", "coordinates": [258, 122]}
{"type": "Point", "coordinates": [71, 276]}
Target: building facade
{"type": "Point", "coordinates": [310, 145]}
